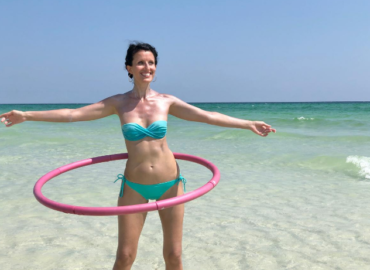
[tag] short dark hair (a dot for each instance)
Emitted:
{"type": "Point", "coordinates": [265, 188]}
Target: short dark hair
{"type": "Point", "coordinates": [133, 48]}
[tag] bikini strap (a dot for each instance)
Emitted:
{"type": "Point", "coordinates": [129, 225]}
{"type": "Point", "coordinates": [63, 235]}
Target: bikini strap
{"type": "Point", "coordinates": [121, 177]}
{"type": "Point", "coordinates": [183, 180]}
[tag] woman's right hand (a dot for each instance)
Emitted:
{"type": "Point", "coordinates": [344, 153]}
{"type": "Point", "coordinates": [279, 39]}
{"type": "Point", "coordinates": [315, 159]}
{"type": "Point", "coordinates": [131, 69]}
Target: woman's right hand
{"type": "Point", "coordinates": [13, 117]}
{"type": "Point", "coordinates": [261, 128]}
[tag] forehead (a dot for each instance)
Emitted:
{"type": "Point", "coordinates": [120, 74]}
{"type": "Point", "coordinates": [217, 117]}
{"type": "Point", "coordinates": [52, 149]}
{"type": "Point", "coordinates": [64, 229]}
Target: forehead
{"type": "Point", "coordinates": [143, 55]}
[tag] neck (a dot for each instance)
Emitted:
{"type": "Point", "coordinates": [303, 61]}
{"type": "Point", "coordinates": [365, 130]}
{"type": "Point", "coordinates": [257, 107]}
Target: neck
{"type": "Point", "coordinates": [141, 91]}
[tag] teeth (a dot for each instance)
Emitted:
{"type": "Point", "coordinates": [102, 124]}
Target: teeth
{"type": "Point", "coordinates": [146, 74]}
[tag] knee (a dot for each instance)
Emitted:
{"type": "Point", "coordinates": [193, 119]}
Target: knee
{"type": "Point", "coordinates": [125, 258]}
{"type": "Point", "coordinates": [173, 257]}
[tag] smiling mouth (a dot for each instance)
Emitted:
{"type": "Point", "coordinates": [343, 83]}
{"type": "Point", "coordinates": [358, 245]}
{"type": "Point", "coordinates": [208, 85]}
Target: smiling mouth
{"type": "Point", "coordinates": [146, 74]}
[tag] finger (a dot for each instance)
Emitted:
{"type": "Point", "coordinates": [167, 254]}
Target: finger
{"type": "Point", "coordinates": [262, 134]}
{"type": "Point", "coordinates": [9, 125]}
{"type": "Point", "coordinates": [254, 130]}
{"type": "Point", "coordinates": [270, 130]}
{"type": "Point", "coordinates": [265, 133]}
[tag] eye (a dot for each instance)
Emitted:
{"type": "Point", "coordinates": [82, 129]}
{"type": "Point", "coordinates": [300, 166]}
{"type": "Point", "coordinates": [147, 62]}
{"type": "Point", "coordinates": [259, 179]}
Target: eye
{"type": "Point", "coordinates": [140, 63]}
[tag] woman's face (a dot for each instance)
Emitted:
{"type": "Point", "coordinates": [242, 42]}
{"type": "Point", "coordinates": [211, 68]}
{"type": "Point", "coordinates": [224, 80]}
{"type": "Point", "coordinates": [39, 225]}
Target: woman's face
{"type": "Point", "coordinates": [143, 66]}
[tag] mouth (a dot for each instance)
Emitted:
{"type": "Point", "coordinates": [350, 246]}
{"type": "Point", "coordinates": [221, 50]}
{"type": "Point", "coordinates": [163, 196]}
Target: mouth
{"type": "Point", "coordinates": [146, 75]}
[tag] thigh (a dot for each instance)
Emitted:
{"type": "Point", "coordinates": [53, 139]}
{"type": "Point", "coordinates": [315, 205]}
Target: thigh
{"type": "Point", "coordinates": [130, 225]}
{"type": "Point", "coordinates": [172, 221]}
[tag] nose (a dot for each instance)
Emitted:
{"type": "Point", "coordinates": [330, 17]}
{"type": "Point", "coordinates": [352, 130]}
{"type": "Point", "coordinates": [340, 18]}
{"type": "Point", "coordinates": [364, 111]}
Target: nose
{"type": "Point", "coordinates": [147, 66]}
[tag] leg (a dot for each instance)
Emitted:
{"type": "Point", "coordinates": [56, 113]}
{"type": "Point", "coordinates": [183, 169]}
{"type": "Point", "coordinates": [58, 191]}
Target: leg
{"type": "Point", "coordinates": [129, 229]}
{"type": "Point", "coordinates": [172, 221]}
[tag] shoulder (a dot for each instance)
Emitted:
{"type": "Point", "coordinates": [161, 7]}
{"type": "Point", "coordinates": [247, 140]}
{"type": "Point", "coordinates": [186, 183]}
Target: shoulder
{"type": "Point", "coordinates": [170, 98]}
{"type": "Point", "coordinates": [114, 102]}
{"type": "Point", "coordinates": [116, 99]}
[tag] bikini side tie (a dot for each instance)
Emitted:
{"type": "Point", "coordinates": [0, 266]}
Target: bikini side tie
{"type": "Point", "coordinates": [183, 180]}
{"type": "Point", "coordinates": [121, 177]}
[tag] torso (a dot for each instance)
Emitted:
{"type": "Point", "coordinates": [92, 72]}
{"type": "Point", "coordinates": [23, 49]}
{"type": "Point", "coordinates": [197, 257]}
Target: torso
{"type": "Point", "coordinates": [150, 160]}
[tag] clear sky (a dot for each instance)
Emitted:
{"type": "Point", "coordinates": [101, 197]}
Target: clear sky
{"type": "Point", "coordinates": [209, 51]}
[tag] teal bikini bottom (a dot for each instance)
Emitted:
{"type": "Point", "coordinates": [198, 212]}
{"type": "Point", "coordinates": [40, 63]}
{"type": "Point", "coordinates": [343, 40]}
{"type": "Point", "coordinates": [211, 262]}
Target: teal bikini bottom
{"type": "Point", "coordinates": [150, 192]}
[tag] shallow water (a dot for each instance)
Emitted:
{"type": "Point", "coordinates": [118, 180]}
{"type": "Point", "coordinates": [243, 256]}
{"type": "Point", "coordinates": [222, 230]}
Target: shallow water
{"type": "Point", "coordinates": [297, 199]}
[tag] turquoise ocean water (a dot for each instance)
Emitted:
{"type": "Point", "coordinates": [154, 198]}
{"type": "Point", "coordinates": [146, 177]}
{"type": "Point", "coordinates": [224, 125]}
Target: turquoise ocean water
{"type": "Point", "coordinates": [298, 199]}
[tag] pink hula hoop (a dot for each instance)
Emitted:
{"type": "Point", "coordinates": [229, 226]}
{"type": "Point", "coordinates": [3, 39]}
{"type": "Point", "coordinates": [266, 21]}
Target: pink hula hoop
{"type": "Point", "coordinates": [119, 210]}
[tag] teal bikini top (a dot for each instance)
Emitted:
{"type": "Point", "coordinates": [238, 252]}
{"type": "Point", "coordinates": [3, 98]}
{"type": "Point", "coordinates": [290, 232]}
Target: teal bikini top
{"type": "Point", "coordinates": [135, 132]}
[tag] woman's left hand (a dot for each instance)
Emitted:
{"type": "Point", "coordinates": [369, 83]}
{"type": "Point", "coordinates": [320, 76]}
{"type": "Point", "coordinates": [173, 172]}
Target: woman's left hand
{"type": "Point", "coordinates": [261, 128]}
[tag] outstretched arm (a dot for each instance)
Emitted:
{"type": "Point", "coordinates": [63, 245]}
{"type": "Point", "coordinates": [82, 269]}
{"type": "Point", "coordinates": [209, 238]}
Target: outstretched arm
{"type": "Point", "coordinates": [188, 112]}
{"type": "Point", "coordinates": [94, 111]}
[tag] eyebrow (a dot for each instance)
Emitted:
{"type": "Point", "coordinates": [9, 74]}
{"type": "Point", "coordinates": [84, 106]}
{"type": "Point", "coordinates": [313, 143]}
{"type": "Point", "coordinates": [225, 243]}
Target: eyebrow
{"type": "Point", "coordinates": [146, 61]}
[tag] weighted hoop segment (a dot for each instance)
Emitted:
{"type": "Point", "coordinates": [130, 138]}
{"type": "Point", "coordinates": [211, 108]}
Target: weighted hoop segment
{"type": "Point", "coordinates": [119, 210]}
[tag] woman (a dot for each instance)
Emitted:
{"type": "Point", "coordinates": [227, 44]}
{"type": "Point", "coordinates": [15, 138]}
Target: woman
{"type": "Point", "coordinates": [151, 170]}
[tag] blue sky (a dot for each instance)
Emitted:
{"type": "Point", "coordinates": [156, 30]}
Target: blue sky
{"type": "Point", "coordinates": [209, 51]}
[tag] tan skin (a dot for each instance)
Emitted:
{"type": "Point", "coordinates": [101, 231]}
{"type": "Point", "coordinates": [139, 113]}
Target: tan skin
{"type": "Point", "coordinates": [150, 160]}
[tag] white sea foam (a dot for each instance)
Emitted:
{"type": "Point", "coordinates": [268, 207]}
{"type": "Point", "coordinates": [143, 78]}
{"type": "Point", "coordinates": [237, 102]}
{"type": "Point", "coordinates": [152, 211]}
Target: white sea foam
{"type": "Point", "coordinates": [303, 118]}
{"type": "Point", "coordinates": [363, 163]}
